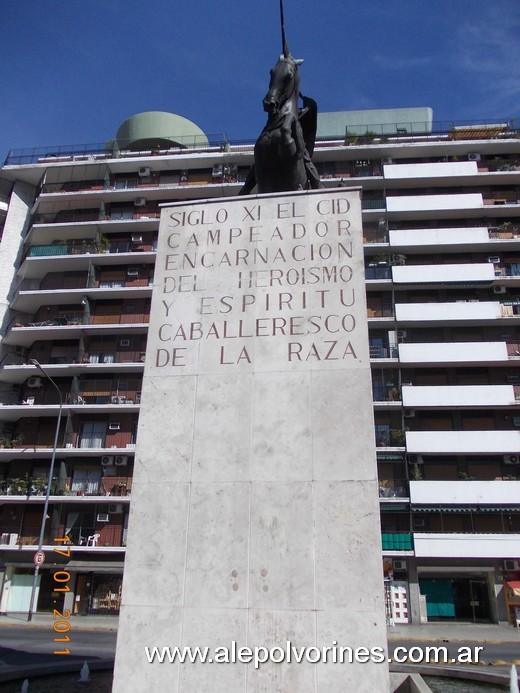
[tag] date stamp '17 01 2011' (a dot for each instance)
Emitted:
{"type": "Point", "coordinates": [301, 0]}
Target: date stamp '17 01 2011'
{"type": "Point", "coordinates": [61, 625]}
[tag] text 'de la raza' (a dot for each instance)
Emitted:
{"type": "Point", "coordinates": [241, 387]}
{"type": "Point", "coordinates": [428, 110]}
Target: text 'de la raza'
{"type": "Point", "coordinates": [263, 283]}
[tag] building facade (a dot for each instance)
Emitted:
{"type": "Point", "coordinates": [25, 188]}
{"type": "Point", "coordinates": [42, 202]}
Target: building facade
{"type": "Point", "coordinates": [441, 220]}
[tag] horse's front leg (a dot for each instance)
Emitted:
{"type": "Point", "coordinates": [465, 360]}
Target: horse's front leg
{"type": "Point", "coordinates": [288, 145]}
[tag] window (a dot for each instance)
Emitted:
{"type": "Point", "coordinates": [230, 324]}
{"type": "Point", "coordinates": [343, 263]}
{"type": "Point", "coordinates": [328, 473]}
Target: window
{"type": "Point", "coordinates": [93, 435]}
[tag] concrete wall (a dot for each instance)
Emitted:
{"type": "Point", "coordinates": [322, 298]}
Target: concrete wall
{"type": "Point", "coordinates": [254, 512]}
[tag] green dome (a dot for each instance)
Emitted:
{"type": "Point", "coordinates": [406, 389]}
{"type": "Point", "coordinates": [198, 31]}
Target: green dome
{"type": "Point", "coordinates": [154, 129]}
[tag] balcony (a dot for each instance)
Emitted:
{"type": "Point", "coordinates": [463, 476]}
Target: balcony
{"type": "Point", "coordinates": [439, 169]}
{"type": "Point", "coordinates": [465, 396]}
{"type": "Point", "coordinates": [465, 312]}
{"type": "Point", "coordinates": [377, 309]}
{"type": "Point", "coordinates": [389, 437]}
{"type": "Point", "coordinates": [80, 216]}
{"type": "Point", "coordinates": [19, 491]}
{"type": "Point", "coordinates": [505, 232]}
{"type": "Point", "coordinates": [453, 202]}
{"type": "Point", "coordinates": [368, 204]}
{"type": "Point", "coordinates": [442, 238]}
{"type": "Point", "coordinates": [483, 272]}
{"type": "Point", "coordinates": [378, 351]}
{"type": "Point", "coordinates": [465, 492]}
{"type": "Point", "coordinates": [57, 324]}
{"type": "Point", "coordinates": [440, 353]}
{"type": "Point", "coordinates": [393, 488]}
{"type": "Point", "coordinates": [463, 442]}
{"type": "Point", "coordinates": [89, 247]}
{"type": "Point", "coordinates": [398, 541]}
{"type": "Point", "coordinates": [101, 391]}
{"type": "Point", "coordinates": [510, 271]}
{"type": "Point", "coordinates": [448, 545]}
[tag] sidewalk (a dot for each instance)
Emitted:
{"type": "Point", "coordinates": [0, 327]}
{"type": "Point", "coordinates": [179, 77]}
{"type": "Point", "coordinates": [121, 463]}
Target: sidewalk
{"type": "Point", "coordinates": [46, 621]}
{"type": "Point", "coordinates": [466, 632]}
{"type": "Point", "coordinates": [452, 632]}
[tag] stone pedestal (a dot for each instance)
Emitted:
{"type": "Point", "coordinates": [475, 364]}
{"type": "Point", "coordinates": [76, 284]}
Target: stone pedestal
{"type": "Point", "coordinates": [255, 516]}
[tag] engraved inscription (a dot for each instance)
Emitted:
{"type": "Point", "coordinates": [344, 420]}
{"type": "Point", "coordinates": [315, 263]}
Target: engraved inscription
{"type": "Point", "coordinates": [232, 275]}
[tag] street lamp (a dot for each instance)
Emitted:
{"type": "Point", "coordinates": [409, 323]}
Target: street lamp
{"type": "Point", "coordinates": [48, 491]}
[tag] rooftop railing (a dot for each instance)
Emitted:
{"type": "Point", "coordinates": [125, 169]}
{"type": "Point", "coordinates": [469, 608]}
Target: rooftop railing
{"type": "Point", "coordinates": [355, 134]}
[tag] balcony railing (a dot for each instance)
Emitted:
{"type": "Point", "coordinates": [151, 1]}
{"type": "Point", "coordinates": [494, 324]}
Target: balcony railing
{"type": "Point", "coordinates": [374, 236]}
{"type": "Point", "coordinates": [89, 248]}
{"type": "Point", "coordinates": [383, 352]}
{"type": "Point", "coordinates": [83, 319]}
{"type": "Point", "coordinates": [77, 216]}
{"type": "Point", "coordinates": [509, 269]}
{"type": "Point", "coordinates": [384, 393]}
{"type": "Point", "coordinates": [385, 310]}
{"type": "Point", "coordinates": [509, 308]}
{"type": "Point", "coordinates": [373, 204]}
{"type": "Point", "coordinates": [504, 231]}
{"type": "Point", "coordinates": [391, 438]}
{"type": "Point", "coordinates": [378, 272]}
{"type": "Point", "coordinates": [107, 392]}
{"type": "Point", "coordinates": [393, 488]}
{"type": "Point", "coordinates": [500, 198]}
{"type": "Point", "coordinates": [399, 541]}
{"type": "Point", "coordinates": [106, 486]}
{"type": "Point", "coordinates": [100, 534]}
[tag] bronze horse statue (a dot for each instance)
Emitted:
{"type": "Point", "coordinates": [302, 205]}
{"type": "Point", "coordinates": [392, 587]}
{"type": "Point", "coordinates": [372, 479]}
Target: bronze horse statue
{"type": "Point", "coordinates": [284, 149]}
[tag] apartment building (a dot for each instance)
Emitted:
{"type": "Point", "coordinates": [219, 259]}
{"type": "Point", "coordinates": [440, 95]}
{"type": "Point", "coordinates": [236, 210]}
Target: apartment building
{"type": "Point", "coordinates": [441, 228]}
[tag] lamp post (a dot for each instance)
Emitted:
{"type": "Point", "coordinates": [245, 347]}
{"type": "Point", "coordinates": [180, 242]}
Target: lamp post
{"type": "Point", "coordinates": [49, 484]}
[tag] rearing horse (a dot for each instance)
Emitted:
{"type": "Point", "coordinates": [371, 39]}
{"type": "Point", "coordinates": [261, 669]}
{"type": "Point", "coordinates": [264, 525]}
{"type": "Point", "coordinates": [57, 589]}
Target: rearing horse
{"type": "Point", "coordinates": [282, 159]}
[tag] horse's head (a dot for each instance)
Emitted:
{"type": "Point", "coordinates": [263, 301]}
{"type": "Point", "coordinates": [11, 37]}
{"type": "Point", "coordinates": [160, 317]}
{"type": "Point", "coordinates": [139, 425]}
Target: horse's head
{"type": "Point", "coordinates": [284, 84]}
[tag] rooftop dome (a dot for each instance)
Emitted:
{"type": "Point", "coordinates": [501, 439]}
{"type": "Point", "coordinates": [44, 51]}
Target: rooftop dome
{"type": "Point", "coordinates": [158, 129]}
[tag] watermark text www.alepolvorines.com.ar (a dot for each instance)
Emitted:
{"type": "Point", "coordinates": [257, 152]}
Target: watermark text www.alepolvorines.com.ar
{"type": "Point", "coordinates": [329, 654]}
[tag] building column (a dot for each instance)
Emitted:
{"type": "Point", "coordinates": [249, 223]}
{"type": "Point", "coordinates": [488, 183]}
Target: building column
{"type": "Point", "coordinates": [414, 606]}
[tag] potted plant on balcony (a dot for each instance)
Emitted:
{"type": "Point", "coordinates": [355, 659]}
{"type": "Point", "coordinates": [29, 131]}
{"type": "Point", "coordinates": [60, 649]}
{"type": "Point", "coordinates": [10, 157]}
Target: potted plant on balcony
{"type": "Point", "coordinates": [19, 487]}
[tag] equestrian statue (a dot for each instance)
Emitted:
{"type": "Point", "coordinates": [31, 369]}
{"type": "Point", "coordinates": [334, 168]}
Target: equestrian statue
{"type": "Point", "coordinates": [284, 149]}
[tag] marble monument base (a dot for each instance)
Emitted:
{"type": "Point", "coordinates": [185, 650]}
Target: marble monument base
{"type": "Point", "coordinates": [254, 528]}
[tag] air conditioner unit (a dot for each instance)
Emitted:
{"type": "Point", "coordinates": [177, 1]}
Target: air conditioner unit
{"type": "Point", "coordinates": [473, 156]}
{"type": "Point", "coordinates": [132, 272]}
{"type": "Point", "coordinates": [401, 334]}
{"type": "Point", "coordinates": [513, 377]}
{"type": "Point", "coordinates": [124, 342]}
{"type": "Point", "coordinates": [516, 421]}
{"type": "Point", "coordinates": [512, 565]}
{"type": "Point", "coordinates": [418, 521]}
{"type": "Point", "coordinates": [102, 517]}
{"type": "Point", "coordinates": [121, 460]}
{"type": "Point", "coordinates": [34, 381]}
{"type": "Point", "coordinates": [144, 171]}
{"type": "Point", "coordinates": [415, 459]}
{"type": "Point", "coordinates": [494, 259]}
{"type": "Point", "coordinates": [107, 460]}
{"type": "Point", "coordinates": [115, 426]}
{"type": "Point", "coordinates": [218, 171]}
{"type": "Point", "coordinates": [387, 160]}
{"type": "Point", "coordinates": [399, 565]}
{"type": "Point", "coordinates": [499, 289]}
{"type": "Point", "coordinates": [140, 202]}
{"type": "Point", "coordinates": [409, 413]}
{"type": "Point", "coordinates": [115, 508]}
{"type": "Point", "coordinates": [511, 459]}
{"type": "Point", "coordinates": [137, 239]}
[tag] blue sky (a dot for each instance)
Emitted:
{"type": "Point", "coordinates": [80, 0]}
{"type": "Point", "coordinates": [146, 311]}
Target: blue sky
{"type": "Point", "coordinates": [74, 70]}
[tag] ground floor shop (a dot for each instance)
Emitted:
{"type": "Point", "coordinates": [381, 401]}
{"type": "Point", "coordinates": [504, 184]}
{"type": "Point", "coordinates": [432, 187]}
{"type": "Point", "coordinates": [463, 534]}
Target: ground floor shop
{"type": "Point", "coordinates": [81, 586]}
{"type": "Point", "coordinates": [465, 591]}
